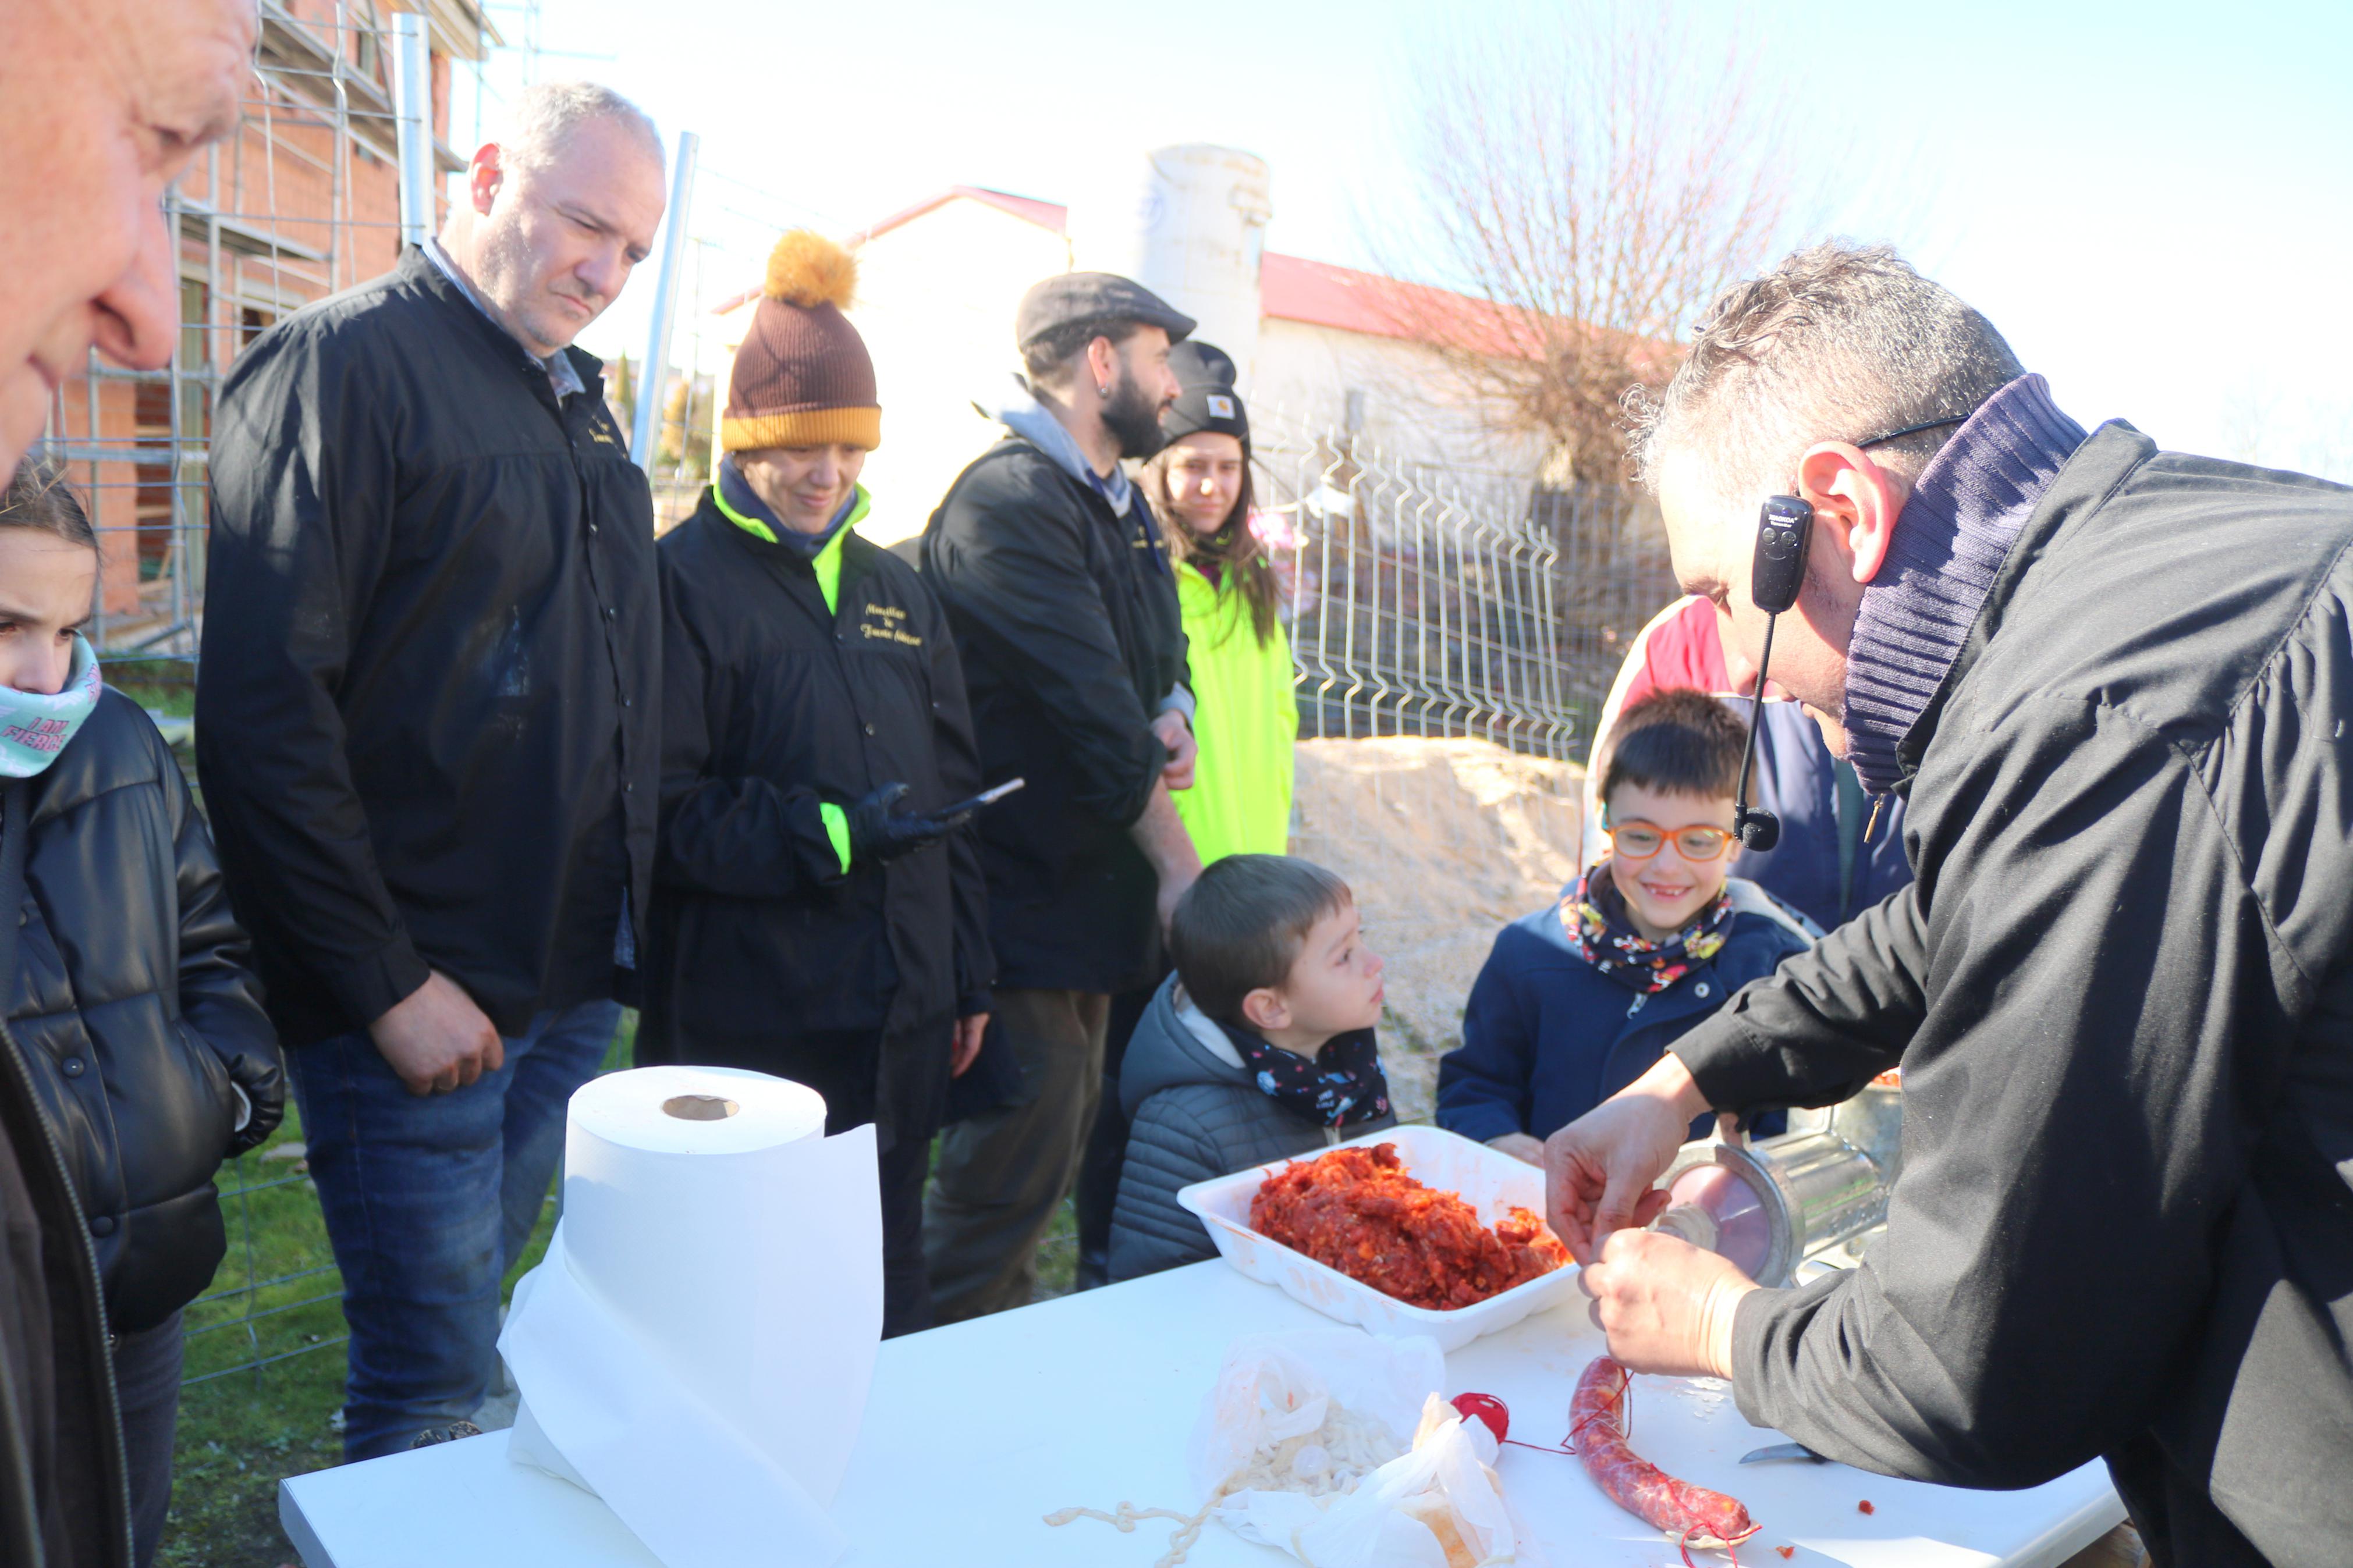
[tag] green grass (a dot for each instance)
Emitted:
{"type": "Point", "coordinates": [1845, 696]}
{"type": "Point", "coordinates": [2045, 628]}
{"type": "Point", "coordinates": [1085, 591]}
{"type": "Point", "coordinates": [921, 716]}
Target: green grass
{"type": "Point", "coordinates": [165, 686]}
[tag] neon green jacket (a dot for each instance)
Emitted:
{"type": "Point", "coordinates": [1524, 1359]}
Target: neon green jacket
{"type": "Point", "coordinates": [1246, 721]}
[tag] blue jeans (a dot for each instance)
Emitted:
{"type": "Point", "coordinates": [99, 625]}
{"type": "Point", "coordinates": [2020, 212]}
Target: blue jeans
{"type": "Point", "coordinates": [427, 1200]}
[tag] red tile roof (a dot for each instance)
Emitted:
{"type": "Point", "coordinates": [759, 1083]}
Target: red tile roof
{"type": "Point", "coordinates": [1045, 215]}
{"type": "Point", "coordinates": [1322, 295]}
{"type": "Point", "coordinates": [1291, 288]}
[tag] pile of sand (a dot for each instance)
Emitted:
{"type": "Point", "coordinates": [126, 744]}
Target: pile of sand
{"type": "Point", "coordinates": [1444, 842]}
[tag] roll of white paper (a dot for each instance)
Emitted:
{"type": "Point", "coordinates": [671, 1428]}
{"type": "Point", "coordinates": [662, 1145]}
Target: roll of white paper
{"type": "Point", "coordinates": [697, 1346]}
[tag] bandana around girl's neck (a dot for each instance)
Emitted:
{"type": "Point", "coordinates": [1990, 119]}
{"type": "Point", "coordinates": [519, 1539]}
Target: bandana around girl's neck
{"type": "Point", "coordinates": [1343, 1086]}
{"type": "Point", "coordinates": [35, 727]}
{"type": "Point", "coordinates": [1595, 914]}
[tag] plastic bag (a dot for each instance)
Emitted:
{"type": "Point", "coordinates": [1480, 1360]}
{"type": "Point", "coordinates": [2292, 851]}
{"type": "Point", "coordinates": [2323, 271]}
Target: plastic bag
{"type": "Point", "coordinates": [1435, 1504]}
{"type": "Point", "coordinates": [1274, 1387]}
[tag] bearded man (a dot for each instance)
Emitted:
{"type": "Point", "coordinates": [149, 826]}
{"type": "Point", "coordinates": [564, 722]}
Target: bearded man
{"type": "Point", "coordinates": [429, 738]}
{"type": "Point", "coordinates": [1063, 606]}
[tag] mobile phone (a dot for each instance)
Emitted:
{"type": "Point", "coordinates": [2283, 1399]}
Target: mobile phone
{"type": "Point", "coordinates": [1785, 526]}
{"type": "Point", "coordinates": [985, 797]}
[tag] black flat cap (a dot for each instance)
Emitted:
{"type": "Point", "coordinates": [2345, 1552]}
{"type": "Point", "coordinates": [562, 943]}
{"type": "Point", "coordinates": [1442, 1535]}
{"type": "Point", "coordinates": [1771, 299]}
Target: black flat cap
{"type": "Point", "coordinates": [1069, 298]}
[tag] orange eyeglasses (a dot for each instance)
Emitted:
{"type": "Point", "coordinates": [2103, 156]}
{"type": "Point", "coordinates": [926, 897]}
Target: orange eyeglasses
{"type": "Point", "coordinates": [1638, 841]}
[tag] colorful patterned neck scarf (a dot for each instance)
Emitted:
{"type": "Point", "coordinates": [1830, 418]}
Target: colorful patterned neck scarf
{"type": "Point", "coordinates": [1343, 1086]}
{"type": "Point", "coordinates": [1595, 914]}
{"type": "Point", "coordinates": [35, 726]}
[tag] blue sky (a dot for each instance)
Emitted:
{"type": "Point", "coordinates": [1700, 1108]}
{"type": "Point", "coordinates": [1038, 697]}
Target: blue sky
{"type": "Point", "coordinates": [2154, 202]}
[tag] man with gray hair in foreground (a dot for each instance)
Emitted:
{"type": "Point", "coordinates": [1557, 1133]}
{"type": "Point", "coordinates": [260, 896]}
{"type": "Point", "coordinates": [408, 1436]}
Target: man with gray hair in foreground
{"type": "Point", "coordinates": [2116, 687]}
{"type": "Point", "coordinates": [426, 729]}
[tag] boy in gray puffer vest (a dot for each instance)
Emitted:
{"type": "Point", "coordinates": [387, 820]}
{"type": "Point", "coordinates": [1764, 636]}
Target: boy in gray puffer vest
{"type": "Point", "coordinates": [1258, 1048]}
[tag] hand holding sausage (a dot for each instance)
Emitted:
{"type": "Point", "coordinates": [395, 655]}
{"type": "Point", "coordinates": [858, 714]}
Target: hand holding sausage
{"type": "Point", "coordinates": [1666, 1305]}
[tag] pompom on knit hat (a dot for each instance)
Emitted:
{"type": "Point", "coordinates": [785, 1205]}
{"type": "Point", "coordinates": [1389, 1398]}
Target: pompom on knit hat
{"type": "Point", "coordinates": [803, 377]}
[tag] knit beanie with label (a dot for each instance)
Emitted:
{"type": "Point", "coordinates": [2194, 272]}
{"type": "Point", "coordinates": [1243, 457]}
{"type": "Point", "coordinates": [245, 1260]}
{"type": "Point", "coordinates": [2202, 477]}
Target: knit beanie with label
{"type": "Point", "coordinates": [803, 377]}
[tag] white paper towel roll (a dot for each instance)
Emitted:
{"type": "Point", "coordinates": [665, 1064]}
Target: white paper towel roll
{"type": "Point", "coordinates": [697, 1345]}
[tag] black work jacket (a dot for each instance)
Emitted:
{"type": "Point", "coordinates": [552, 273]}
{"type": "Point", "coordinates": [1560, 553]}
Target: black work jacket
{"type": "Point", "coordinates": [1066, 617]}
{"type": "Point", "coordinates": [136, 1010]}
{"type": "Point", "coordinates": [426, 713]}
{"type": "Point", "coordinates": [765, 953]}
{"type": "Point", "coordinates": [2121, 991]}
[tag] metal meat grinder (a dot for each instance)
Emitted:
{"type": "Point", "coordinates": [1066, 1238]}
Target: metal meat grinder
{"type": "Point", "coordinates": [1812, 1197]}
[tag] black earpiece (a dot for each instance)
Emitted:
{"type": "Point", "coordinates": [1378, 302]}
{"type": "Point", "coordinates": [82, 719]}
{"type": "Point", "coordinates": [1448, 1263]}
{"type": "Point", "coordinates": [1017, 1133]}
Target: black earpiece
{"type": "Point", "coordinates": [1784, 527]}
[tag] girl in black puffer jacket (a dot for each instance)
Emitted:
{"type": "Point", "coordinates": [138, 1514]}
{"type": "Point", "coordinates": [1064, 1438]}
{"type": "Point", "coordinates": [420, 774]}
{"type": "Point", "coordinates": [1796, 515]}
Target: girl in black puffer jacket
{"type": "Point", "coordinates": [129, 1002]}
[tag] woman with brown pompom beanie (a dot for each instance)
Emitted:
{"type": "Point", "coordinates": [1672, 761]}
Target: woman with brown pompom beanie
{"type": "Point", "coordinates": [816, 917]}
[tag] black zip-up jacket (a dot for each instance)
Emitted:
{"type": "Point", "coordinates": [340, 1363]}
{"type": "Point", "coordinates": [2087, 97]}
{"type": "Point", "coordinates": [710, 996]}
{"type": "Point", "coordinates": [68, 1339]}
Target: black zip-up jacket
{"type": "Point", "coordinates": [1065, 615]}
{"type": "Point", "coordinates": [425, 721]}
{"type": "Point", "coordinates": [765, 953]}
{"type": "Point", "coordinates": [2121, 991]}
{"type": "Point", "coordinates": [136, 1009]}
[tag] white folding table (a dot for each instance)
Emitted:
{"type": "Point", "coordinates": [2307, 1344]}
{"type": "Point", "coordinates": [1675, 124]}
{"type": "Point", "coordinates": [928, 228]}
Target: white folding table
{"type": "Point", "coordinates": [974, 1433]}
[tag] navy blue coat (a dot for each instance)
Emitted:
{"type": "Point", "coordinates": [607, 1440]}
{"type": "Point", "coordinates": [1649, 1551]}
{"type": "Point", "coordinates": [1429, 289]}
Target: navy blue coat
{"type": "Point", "coordinates": [1547, 1036]}
{"type": "Point", "coordinates": [1797, 779]}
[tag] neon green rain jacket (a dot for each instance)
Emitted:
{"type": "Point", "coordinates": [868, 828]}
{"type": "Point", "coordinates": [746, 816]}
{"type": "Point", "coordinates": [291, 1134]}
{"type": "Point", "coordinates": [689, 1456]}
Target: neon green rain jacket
{"type": "Point", "coordinates": [1246, 721]}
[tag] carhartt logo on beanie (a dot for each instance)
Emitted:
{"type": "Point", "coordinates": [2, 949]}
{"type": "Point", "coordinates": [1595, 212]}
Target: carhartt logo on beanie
{"type": "Point", "coordinates": [803, 377]}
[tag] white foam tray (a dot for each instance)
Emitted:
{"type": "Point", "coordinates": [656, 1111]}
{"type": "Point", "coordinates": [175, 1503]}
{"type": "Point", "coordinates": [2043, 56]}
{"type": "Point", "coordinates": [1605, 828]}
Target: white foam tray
{"type": "Point", "coordinates": [1490, 1181]}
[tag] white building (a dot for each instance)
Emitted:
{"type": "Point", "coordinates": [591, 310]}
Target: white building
{"type": "Point", "coordinates": [1337, 349]}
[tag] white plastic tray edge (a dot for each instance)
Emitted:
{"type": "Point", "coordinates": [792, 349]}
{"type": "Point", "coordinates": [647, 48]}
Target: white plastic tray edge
{"type": "Point", "coordinates": [1489, 1181]}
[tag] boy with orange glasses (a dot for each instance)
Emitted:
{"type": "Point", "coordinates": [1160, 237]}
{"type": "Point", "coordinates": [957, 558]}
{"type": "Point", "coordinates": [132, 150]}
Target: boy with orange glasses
{"type": "Point", "coordinates": [1576, 1001]}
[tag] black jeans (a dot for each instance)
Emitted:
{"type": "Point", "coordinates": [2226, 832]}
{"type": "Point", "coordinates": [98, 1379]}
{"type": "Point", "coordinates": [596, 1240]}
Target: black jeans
{"type": "Point", "coordinates": [147, 1383]}
{"type": "Point", "coordinates": [906, 1279]}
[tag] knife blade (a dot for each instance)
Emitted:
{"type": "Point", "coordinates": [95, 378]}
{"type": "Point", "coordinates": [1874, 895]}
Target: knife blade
{"type": "Point", "coordinates": [1783, 1451]}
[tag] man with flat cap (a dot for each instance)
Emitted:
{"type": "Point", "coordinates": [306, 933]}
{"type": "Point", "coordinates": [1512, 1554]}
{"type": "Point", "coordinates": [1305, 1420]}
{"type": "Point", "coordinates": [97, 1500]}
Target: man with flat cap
{"type": "Point", "coordinates": [1063, 606]}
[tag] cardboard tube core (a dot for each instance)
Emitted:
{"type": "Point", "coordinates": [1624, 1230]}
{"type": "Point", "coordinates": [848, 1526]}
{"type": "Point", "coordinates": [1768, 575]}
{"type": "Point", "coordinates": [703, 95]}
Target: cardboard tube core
{"type": "Point", "coordinates": [700, 1107]}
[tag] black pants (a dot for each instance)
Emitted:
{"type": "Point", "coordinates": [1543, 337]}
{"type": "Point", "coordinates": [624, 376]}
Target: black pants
{"type": "Point", "coordinates": [1106, 1154]}
{"type": "Point", "coordinates": [906, 1279]}
{"type": "Point", "coordinates": [1004, 1172]}
{"type": "Point", "coordinates": [147, 1380]}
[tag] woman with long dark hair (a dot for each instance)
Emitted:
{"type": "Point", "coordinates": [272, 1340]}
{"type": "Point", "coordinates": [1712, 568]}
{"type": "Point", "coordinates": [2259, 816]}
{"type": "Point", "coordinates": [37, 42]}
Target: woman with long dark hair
{"type": "Point", "coordinates": [1247, 716]}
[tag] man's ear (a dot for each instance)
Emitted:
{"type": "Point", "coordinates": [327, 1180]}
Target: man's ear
{"type": "Point", "coordinates": [1103, 364]}
{"type": "Point", "coordinates": [1266, 1011]}
{"type": "Point", "coordinates": [484, 176]}
{"type": "Point", "coordinates": [1855, 503]}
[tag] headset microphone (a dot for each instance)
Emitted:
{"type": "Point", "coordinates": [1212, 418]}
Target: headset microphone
{"type": "Point", "coordinates": [1785, 526]}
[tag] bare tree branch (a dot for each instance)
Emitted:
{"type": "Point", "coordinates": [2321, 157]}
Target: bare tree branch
{"type": "Point", "coordinates": [1585, 179]}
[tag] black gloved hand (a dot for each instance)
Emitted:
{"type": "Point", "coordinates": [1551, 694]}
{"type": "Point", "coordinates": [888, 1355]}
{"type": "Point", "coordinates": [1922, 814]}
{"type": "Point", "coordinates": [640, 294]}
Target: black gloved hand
{"type": "Point", "coordinates": [881, 833]}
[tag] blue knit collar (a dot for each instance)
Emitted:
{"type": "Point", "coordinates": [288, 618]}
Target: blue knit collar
{"type": "Point", "coordinates": [1968, 508]}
